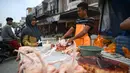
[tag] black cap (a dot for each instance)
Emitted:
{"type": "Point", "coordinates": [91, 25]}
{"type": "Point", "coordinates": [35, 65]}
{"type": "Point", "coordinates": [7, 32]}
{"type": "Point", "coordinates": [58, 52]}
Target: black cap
{"type": "Point", "coordinates": [9, 19]}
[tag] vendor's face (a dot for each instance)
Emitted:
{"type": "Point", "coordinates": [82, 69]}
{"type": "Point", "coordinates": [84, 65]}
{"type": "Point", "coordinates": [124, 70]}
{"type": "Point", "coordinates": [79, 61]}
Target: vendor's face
{"type": "Point", "coordinates": [10, 22]}
{"type": "Point", "coordinates": [33, 21]}
{"type": "Point", "coordinates": [81, 13]}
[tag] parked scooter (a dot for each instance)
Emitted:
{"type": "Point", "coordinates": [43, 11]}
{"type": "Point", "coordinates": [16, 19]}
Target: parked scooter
{"type": "Point", "coordinates": [5, 51]}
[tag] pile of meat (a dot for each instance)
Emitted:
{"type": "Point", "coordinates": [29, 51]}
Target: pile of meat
{"type": "Point", "coordinates": [102, 65]}
{"type": "Point", "coordinates": [32, 62]}
{"type": "Point", "coordinates": [64, 47]}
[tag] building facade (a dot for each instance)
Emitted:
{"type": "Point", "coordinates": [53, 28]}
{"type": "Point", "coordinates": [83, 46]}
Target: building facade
{"type": "Point", "coordinates": [57, 16]}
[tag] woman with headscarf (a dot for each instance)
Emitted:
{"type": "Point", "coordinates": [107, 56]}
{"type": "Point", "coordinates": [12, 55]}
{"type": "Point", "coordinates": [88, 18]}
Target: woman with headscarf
{"type": "Point", "coordinates": [31, 34]}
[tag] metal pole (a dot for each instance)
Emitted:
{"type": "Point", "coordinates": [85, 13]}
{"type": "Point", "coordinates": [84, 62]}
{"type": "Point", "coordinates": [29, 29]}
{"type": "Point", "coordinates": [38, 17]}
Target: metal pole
{"type": "Point", "coordinates": [101, 18]}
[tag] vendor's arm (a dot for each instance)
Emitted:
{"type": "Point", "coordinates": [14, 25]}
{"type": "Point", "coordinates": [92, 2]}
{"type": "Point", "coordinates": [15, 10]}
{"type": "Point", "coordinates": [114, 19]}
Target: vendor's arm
{"type": "Point", "coordinates": [69, 32]}
{"type": "Point", "coordinates": [81, 34]}
{"type": "Point", "coordinates": [125, 25]}
{"type": "Point", "coordinates": [26, 42]}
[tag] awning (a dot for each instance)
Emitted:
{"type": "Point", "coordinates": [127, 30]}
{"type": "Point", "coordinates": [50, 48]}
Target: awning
{"type": "Point", "coordinates": [49, 20]}
{"type": "Point", "coordinates": [72, 14]}
{"type": "Point", "coordinates": [42, 22]}
{"type": "Point", "coordinates": [93, 4]}
{"type": "Point", "coordinates": [53, 18]}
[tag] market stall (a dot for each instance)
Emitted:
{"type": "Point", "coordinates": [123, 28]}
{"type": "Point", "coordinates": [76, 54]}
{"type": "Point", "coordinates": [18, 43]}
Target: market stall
{"type": "Point", "coordinates": [103, 56]}
{"type": "Point", "coordinates": [62, 58]}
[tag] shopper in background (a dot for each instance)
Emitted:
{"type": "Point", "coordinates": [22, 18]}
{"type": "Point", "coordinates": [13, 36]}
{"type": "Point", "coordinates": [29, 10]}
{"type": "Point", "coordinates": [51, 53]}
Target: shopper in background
{"type": "Point", "coordinates": [8, 34]}
{"type": "Point", "coordinates": [31, 35]}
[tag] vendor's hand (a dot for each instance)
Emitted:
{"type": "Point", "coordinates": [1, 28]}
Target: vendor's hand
{"type": "Point", "coordinates": [70, 41]}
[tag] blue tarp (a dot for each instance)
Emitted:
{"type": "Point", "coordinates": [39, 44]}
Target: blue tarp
{"type": "Point", "coordinates": [119, 10]}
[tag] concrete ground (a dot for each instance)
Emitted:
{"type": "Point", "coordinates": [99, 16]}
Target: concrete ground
{"type": "Point", "coordinates": [9, 66]}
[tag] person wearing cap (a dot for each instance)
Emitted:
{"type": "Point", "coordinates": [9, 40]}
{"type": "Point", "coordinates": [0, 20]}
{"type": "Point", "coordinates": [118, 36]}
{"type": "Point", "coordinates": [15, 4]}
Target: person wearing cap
{"type": "Point", "coordinates": [8, 34]}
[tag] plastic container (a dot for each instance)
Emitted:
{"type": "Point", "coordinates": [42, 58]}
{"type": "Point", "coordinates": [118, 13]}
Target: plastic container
{"type": "Point", "coordinates": [89, 50]}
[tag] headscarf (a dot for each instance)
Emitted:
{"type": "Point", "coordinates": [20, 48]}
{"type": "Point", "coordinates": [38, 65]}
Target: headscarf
{"type": "Point", "coordinates": [30, 29]}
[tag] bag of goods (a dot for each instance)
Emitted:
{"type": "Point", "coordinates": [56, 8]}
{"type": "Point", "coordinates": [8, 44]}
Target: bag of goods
{"type": "Point", "coordinates": [111, 48]}
{"type": "Point", "coordinates": [120, 42]}
{"type": "Point", "coordinates": [126, 52]}
{"type": "Point", "coordinates": [99, 41]}
{"type": "Point", "coordinates": [107, 42]}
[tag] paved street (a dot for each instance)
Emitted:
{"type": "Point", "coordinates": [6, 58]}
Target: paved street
{"type": "Point", "coordinates": [0, 38]}
{"type": "Point", "coordinates": [9, 66]}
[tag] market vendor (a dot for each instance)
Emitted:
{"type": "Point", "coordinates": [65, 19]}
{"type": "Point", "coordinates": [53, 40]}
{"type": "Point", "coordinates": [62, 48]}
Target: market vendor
{"type": "Point", "coordinates": [31, 34]}
{"type": "Point", "coordinates": [82, 27]}
{"type": "Point", "coordinates": [124, 39]}
{"type": "Point", "coordinates": [125, 25]}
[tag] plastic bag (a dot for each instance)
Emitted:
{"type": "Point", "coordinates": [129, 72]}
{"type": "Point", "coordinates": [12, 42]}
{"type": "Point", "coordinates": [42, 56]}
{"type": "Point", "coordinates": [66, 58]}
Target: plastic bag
{"type": "Point", "coordinates": [126, 52]}
{"type": "Point", "coordinates": [111, 48]}
{"type": "Point", "coordinates": [98, 41]}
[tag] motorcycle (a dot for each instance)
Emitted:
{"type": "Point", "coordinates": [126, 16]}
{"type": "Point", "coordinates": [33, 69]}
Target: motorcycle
{"type": "Point", "coordinates": [5, 51]}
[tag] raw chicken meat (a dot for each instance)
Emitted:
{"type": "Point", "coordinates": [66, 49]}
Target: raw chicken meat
{"type": "Point", "coordinates": [62, 46]}
{"type": "Point", "coordinates": [32, 63]}
{"type": "Point", "coordinates": [51, 69]}
{"type": "Point", "coordinates": [26, 50]}
{"type": "Point", "coordinates": [63, 42]}
{"type": "Point", "coordinates": [70, 49]}
{"type": "Point", "coordinates": [72, 66]}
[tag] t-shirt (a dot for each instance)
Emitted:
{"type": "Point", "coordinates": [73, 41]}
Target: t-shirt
{"type": "Point", "coordinates": [86, 21]}
{"type": "Point", "coordinates": [7, 33]}
{"type": "Point", "coordinates": [126, 32]}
